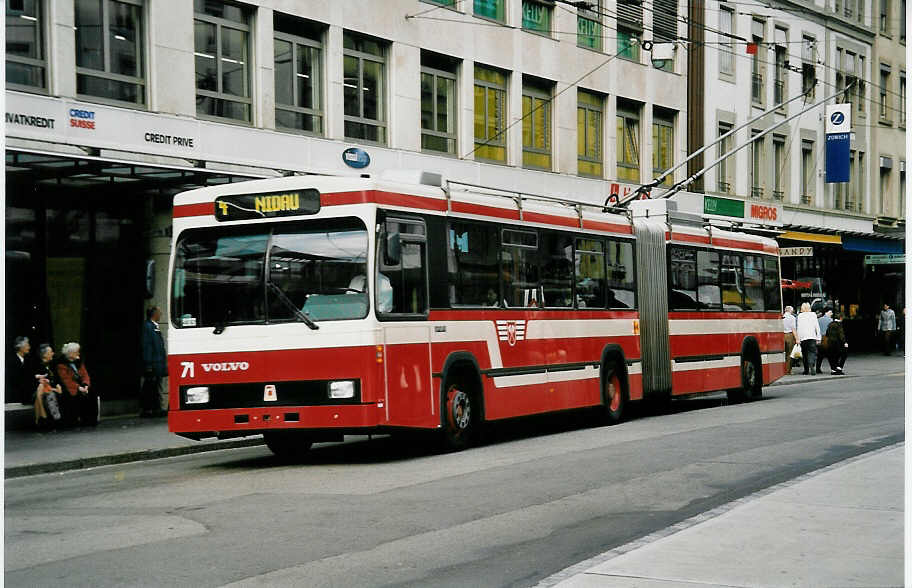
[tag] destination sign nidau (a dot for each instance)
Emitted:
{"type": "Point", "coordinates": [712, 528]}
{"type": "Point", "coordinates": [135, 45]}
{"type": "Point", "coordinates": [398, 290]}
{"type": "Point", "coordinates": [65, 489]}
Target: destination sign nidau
{"type": "Point", "coordinates": [250, 206]}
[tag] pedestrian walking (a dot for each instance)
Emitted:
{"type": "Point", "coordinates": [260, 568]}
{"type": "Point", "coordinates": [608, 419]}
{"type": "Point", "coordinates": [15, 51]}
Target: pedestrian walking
{"type": "Point", "coordinates": [824, 321]}
{"type": "Point", "coordinates": [808, 335]}
{"type": "Point", "coordinates": [837, 346]}
{"type": "Point", "coordinates": [790, 331]}
{"type": "Point", "coordinates": [81, 403]}
{"type": "Point", "coordinates": [20, 381]}
{"type": "Point", "coordinates": [155, 365]}
{"type": "Point", "coordinates": [886, 325]}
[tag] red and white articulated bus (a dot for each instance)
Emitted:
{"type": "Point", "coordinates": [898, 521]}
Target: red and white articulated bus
{"type": "Point", "coordinates": [306, 308]}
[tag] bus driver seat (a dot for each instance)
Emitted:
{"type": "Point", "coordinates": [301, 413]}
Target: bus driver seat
{"type": "Point", "coordinates": [358, 285]}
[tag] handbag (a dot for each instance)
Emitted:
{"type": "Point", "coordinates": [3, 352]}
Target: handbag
{"type": "Point", "coordinates": [796, 352]}
{"type": "Point", "coordinates": [51, 405]}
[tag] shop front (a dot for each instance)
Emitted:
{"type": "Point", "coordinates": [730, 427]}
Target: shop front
{"type": "Point", "coordinates": [834, 269]}
{"type": "Point", "coordinates": [87, 243]}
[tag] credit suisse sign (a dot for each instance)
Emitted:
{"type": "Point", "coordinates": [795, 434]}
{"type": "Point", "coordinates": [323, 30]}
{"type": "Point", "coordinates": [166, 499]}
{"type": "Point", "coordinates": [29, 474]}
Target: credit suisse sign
{"type": "Point", "coordinates": [759, 213]}
{"type": "Point", "coordinates": [94, 125]}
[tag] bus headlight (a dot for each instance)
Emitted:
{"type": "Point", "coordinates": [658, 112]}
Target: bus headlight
{"type": "Point", "coordinates": [342, 389]}
{"type": "Point", "coordinates": [198, 395]}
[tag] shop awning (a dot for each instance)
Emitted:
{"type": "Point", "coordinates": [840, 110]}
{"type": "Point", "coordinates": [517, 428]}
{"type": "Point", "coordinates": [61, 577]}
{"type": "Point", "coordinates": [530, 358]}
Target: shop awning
{"type": "Point", "coordinates": [814, 237]}
{"type": "Point", "coordinates": [871, 245]}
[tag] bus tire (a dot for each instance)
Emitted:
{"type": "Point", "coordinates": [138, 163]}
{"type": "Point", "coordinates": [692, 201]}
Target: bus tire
{"type": "Point", "coordinates": [751, 380]}
{"type": "Point", "coordinates": [614, 394]}
{"type": "Point", "coordinates": [460, 417]}
{"type": "Point", "coordinates": [288, 445]}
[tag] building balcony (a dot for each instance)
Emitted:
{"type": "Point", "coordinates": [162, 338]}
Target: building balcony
{"type": "Point", "coordinates": [806, 198]}
{"type": "Point", "coordinates": [725, 187]}
{"type": "Point", "coordinates": [757, 192]}
{"type": "Point", "coordinates": [778, 195]}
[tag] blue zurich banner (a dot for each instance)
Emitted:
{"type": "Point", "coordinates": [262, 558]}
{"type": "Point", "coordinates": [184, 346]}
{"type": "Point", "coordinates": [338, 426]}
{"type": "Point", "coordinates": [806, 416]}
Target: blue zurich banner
{"type": "Point", "coordinates": [837, 157]}
{"type": "Point", "coordinates": [838, 133]}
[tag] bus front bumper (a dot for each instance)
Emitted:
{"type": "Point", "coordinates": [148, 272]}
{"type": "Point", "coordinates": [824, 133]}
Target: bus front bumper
{"type": "Point", "coordinates": [231, 422]}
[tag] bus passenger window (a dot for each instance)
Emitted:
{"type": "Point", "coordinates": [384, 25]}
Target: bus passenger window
{"type": "Point", "coordinates": [682, 279]}
{"type": "Point", "coordinates": [753, 283]}
{"type": "Point", "coordinates": [772, 291]}
{"type": "Point", "coordinates": [621, 283]}
{"type": "Point", "coordinates": [709, 294]}
{"type": "Point", "coordinates": [472, 270]}
{"type": "Point", "coordinates": [519, 268]}
{"type": "Point", "coordinates": [590, 273]}
{"type": "Point", "coordinates": [732, 282]}
{"type": "Point", "coordinates": [557, 270]}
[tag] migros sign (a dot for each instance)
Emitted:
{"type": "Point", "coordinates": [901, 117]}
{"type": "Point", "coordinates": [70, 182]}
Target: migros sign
{"type": "Point", "coordinates": [763, 213]}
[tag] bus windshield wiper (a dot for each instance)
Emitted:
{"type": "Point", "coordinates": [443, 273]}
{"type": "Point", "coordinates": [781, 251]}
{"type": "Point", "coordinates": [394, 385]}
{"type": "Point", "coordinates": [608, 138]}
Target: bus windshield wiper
{"type": "Point", "coordinates": [291, 305]}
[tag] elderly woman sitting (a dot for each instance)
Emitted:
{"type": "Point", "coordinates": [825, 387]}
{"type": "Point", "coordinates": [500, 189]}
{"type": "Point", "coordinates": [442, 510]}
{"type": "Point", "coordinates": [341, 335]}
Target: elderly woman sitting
{"type": "Point", "coordinates": [47, 394]}
{"type": "Point", "coordinates": [80, 403]}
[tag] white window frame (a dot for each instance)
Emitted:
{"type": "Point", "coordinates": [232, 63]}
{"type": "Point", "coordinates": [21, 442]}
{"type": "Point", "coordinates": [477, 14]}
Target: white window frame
{"type": "Point", "coordinates": [318, 114]}
{"type": "Point", "coordinates": [223, 23]}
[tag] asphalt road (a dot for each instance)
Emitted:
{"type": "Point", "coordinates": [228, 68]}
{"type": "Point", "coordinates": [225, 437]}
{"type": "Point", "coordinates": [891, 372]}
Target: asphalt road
{"type": "Point", "coordinates": [541, 495]}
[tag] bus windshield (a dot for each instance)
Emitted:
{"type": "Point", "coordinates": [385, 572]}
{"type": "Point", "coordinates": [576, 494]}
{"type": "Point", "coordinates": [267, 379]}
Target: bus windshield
{"type": "Point", "coordinates": [267, 273]}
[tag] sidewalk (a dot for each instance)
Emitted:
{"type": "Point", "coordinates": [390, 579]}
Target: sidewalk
{"type": "Point", "coordinates": [114, 440]}
{"type": "Point", "coordinates": [840, 526]}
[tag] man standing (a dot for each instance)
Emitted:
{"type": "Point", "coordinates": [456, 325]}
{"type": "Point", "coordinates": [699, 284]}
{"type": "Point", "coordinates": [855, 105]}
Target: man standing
{"type": "Point", "coordinates": [790, 330]}
{"type": "Point", "coordinates": [20, 381]}
{"type": "Point", "coordinates": [155, 365]}
{"type": "Point", "coordinates": [886, 324]}
{"type": "Point", "coordinates": [824, 321]}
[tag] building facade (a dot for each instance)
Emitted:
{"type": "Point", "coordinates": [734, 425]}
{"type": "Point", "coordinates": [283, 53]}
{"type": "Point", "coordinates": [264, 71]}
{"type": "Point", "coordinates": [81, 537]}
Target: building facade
{"type": "Point", "coordinates": [768, 68]}
{"type": "Point", "coordinates": [113, 106]}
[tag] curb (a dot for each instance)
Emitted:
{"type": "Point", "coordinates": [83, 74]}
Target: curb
{"type": "Point", "coordinates": [118, 458]}
{"type": "Point", "coordinates": [816, 378]}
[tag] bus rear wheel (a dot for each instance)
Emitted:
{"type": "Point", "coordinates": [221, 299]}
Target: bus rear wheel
{"type": "Point", "coordinates": [288, 445]}
{"type": "Point", "coordinates": [459, 426]}
{"type": "Point", "coordinates": [751, 381]}
{"type": "Point", "coordinates": [613, 396]}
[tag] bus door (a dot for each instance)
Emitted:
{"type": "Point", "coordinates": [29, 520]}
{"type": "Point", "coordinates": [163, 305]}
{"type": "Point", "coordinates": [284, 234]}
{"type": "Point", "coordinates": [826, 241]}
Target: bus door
{"type": "Point", "coordinates": [402, 307]}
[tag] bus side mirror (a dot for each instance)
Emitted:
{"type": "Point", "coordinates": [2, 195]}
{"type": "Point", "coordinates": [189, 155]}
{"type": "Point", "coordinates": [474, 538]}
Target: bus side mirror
{"type": "Point", "coordinates": [393, 249]}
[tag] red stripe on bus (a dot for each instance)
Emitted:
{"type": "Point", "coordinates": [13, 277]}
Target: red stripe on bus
{"type": "Point", "coordinates": [201, 209]}
{"type": "Point", "coordinates": [717, 241]}
{"type": "Point", "coordinates": [722, 343]}
{"type": "Point", "coordinates": [689, 315]}
{"type": "Point", "coordinates": [721, 242]}
{"type": "Point", "coordinates": [550, 219]}
{"type": "Point", "coordinates": [608, 227]}
{"type": "Point", "coordinates": [481, 210]}
{"type": "Point", "coordinates": [382, 197]}
{"type": "Point", "coordinates": [492, 314]}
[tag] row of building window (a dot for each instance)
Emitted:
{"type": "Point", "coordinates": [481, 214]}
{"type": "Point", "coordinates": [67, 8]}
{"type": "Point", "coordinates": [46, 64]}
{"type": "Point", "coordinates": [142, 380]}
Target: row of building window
{"type": "Point", "coordinates": [537, 16]}
{"type": "Point", "coordinates": [726, 171]}
{"type": "Point", "coordinates": [850, 67]}
{"type": "Point", "coordinates": [110, 66]}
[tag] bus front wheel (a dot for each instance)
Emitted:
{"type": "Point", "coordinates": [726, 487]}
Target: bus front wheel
{"type": "Point", "coordinates": [288, 445]}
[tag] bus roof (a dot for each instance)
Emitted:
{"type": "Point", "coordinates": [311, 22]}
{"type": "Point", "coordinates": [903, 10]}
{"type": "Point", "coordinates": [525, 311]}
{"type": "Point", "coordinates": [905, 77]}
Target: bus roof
{"type": "Point", "coordinates": [396, 191]}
